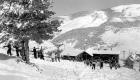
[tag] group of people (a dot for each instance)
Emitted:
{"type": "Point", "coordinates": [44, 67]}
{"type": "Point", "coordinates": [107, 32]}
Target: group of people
{"type": "Point", "coordinates": [38, 54]}
{"type": "Point", "coordinates": [113, 63]}
{"type": "Point", "coordinates": [9, 51]}
{"type": "Point", "coordinates": [94, 63]}
{"type": "Point", "coordinates": [55, 56]}
{"type": "Point", "coordinates": [18, 49]}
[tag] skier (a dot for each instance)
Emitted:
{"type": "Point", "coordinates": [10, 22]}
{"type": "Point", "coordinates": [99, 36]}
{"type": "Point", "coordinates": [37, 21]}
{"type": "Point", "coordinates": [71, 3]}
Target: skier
{"type": "Point", "coordinates": [35, 53]}
{"type": "Point", "coordinates": [9, 49]}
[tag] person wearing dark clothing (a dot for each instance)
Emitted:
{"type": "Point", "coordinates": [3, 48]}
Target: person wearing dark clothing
{"type": "Point", "coordinates": [35, 53]}
{"type": "Point", "coordinates": [113, 63]}
{"type": "Point", "coordinates": [101, 64]}
{"type": "Point", "coordinates": [17, 50]}
{"type": "Point", "coordinates": [87, 62]}
{"type": "Point", "coordinates": [40, 54]}
{"type": "Point", "coordinates": [9, 49]}
{"type": "Point", "coordinates": [110, 64]}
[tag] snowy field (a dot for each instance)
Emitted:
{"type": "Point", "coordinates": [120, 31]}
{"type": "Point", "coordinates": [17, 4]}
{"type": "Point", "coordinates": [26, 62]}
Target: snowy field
{"type": "Point", "coordinates": [64, 70]}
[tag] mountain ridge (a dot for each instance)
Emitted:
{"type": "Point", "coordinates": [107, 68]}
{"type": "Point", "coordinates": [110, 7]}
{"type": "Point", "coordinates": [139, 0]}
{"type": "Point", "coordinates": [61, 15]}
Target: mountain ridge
{"type": "Point", "coordinates": [88, 29]}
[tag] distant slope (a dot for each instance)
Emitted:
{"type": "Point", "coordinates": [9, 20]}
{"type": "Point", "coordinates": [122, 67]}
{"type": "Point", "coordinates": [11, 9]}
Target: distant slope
{"type": "Point", "coordinates": [105, 27]}
{"type": "Point", "coordinates": [89, 34]}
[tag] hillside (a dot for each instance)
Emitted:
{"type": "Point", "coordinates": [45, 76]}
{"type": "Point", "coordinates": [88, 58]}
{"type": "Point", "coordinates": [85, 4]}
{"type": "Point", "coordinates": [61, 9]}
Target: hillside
{"type": "Point", "coordinates": [118, 25]}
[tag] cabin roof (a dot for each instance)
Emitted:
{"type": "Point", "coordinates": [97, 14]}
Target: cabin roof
{"type": "Point", "coordinates": [105, 52]}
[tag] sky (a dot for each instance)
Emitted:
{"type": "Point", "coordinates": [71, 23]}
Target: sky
{"type": "Point", "coordinates": [66, 7]}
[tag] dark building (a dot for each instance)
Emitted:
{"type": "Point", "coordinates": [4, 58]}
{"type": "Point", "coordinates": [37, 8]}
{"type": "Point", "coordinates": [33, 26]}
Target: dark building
{"type": "Point", "coordinates": [84, 56]}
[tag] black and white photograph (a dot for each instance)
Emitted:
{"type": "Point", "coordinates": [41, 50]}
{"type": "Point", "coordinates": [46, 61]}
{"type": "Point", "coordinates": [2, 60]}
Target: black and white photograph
{"type": "Point", "coordinates": [69, 39]}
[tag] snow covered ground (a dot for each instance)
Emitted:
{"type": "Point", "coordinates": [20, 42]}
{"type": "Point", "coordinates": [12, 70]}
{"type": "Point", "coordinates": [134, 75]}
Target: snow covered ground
{"type": "Point", "coordinates": [64, 70]}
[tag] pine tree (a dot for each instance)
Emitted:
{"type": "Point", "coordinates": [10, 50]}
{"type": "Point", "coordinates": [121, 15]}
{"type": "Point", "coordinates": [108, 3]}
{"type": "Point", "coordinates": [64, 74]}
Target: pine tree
{"type": "Point", "coordinates": [26, 20]}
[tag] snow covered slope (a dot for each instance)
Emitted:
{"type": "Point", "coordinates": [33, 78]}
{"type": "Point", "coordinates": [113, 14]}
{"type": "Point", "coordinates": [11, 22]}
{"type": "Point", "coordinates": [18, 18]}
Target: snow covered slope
{"type": "Point", "coordinates": [64, 70]}
{"type": "Point", "coordinates": [86, 19]}
{"type": "Point", "coordinates": [92, 19]}
{"type": "Point", "coordinates": [118, 25]}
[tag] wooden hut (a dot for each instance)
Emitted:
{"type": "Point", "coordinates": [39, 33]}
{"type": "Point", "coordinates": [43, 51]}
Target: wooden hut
{"type": "Point", "coordinates": [106, 55]}
{"type": "Point", "coordinates": [84, 56]}
{"type": "Point", "coordinates": [70, 54]}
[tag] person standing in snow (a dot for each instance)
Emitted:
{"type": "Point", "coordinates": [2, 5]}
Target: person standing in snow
{"type": "Point", "coordinates": [110, 63]}
{"type": "Point", "coordinates": [87, 62]}
{"type": "Point", "coordinates": [35, 53]}
{"type": "Point", "coordinates": [57, 57]}
{"type": "Point", "coordinates": [93, 65]}
{"type": "Point", "coordinates": [53, 56]}
{"type": "Point", "coordinates": [101, 64]}
{"type": "Point", "coordinates": [9, 49]}
{"type": "Point", "coordinates": [17, 50]}
{"type": "Point", "coordinates": [113, 63]}
{"type": "Point", "coordinates": [116, 64]}
{"type": "Point", "coordinates": [40, 54]}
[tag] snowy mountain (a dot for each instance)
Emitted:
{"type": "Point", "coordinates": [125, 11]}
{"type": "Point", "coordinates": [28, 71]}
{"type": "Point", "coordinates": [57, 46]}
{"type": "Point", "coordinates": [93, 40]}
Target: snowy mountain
{"type": "Point", "coordinates": [82, 20]}
{"type": "Point", "coordinates": [119, 26]}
